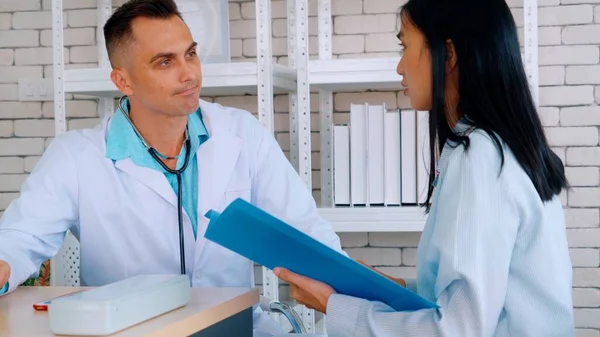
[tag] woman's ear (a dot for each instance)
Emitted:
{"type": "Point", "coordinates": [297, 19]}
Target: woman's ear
{"type": "Point", "coordinates": [451, 60]}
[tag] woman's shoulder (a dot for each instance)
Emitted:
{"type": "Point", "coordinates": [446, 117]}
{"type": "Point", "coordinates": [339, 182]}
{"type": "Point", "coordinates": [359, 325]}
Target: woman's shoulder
{"type": "Point", "coordinates": [483, 150]}
{"type": "Point", "coordinates": [488, 157]}
{"type": "Point", "coordinates": [488, 161]}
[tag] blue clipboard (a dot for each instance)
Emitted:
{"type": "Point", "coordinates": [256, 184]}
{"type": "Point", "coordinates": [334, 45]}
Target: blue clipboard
{"type": "Point", "coordinates": [260, 237]}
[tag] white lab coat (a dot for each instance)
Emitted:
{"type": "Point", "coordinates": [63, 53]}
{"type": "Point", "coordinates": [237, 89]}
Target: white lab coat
{"type": "Point", "coordinates": [125, 216]}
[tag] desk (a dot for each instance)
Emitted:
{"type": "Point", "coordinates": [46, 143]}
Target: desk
{"type": "Point", "coordinates": [210, 312]}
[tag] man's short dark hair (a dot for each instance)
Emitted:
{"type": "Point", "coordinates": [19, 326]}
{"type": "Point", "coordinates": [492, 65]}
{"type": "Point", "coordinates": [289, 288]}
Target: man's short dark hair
{"type": "Point", "coordinates": [117, 30]}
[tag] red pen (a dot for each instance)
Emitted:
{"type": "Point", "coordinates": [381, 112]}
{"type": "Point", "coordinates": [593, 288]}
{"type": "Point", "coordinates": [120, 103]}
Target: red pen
{"type": "Point", "coordinates": [43, 306]}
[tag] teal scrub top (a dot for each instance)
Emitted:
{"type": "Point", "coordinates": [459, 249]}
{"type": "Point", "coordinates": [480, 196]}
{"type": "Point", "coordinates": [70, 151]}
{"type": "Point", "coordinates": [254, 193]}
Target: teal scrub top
{"type": "Point", "coordinates": [123, 142]}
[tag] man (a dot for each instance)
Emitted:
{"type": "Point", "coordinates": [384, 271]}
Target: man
{"type": "Point", "coordinates": [118, 199]}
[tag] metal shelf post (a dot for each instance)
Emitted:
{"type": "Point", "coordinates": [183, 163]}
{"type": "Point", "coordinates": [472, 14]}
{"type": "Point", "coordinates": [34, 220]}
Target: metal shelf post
{"type": "Point", "coordinates": [530, 14]}
{"type": "Point", "coordinates": [60, 123]}
{"type": "Point", "coordinates": [303, 116]}
{"type": "Point", "coordinates": [105, 104]}
{"type": "Point", "coordinates": [265, 63]}
{"type": "Point", "coordinates": [293, 96]}
{"type": "Point", "coordinates": [326, 107]}
{"type": "Point", "coordinates": [265, 107]}
{"type": "Point", "coordinates": [301, 59]}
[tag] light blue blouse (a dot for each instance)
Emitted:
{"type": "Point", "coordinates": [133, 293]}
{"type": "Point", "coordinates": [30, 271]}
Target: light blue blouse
{"type": "Point", "coordinates": [492, 255]}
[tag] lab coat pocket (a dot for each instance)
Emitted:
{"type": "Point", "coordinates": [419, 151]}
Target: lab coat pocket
{"type": "Point", "coordinates": [231, 195]}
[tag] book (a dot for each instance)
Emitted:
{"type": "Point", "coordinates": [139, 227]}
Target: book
{"type": "Point", "coordinates": [264, 239]}
{"type": "Point", "coordinates": [341, 165]}
{"type": "Point", "coordinates": [423, 156]}
{"type": "Point", "coordinates": [358, 155]}
{"type": "Point", "coordinates": [392, 150]}
{"type": "Point", "coordinates": [408, 135]}
{"type": "Point", "coordinates": [375, 155]}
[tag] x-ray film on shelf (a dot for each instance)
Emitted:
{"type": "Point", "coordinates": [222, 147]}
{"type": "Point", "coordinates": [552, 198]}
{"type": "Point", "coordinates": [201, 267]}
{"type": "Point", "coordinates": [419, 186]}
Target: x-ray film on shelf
{"type": "Point", "coordinates": [208, 21]}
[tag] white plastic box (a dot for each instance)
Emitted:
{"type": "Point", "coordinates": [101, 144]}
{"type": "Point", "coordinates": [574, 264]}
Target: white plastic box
{"type": "Point", "coordinates": [117, 306]}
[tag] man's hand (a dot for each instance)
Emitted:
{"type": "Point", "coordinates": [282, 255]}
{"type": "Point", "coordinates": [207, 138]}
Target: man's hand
{"type": "Point", "coordinates": [4, 273]}
{"type": "Point", "coordinates": [395, 279]}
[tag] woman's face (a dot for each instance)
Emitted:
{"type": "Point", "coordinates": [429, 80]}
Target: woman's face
{"type": "Point", "coordinates": [415, 67]}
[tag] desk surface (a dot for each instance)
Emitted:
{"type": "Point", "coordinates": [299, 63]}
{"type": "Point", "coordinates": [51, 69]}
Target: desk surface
{"type": "Point", "coordinates": [206, 307]}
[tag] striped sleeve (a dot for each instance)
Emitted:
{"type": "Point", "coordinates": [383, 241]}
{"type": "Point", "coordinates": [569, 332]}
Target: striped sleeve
{"type": "Point", "coordinates": [474, 234]}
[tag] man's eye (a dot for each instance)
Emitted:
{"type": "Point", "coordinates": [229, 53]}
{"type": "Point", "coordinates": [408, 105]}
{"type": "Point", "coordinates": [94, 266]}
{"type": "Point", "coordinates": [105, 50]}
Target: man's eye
{"type": "Point", "coordinates": [165, 62]}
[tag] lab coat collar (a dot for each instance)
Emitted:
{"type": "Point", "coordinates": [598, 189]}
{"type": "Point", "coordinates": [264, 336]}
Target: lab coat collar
{"type": "Point", "coordinates": [122, 141]}
{"type": "Point", "coordinates": [216, 161]}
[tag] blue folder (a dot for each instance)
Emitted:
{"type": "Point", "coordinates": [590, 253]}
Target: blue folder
{"type": "Point", "coordinates": [268, 241]}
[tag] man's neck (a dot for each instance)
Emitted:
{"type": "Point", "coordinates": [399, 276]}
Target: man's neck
{"type": "Point", "coordinates": [164, 133]}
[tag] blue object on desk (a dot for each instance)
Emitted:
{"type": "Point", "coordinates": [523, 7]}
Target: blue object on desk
{"type": "Point", "coordinates": [266, 240]}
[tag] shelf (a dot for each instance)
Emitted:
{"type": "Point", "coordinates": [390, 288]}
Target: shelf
{"type": "Point", "coordinates": [239, 78]}
{"type": "Point", "coordinates": [355, 74]}
{"type": "Point", "coordinates": [224, 79]}
{"type": "Point", "coordinates": [375, 219]}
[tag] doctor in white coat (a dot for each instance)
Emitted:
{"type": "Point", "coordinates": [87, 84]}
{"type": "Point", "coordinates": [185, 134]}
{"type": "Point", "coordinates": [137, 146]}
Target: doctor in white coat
{"type": "Point", "coordinates": [104, 185]}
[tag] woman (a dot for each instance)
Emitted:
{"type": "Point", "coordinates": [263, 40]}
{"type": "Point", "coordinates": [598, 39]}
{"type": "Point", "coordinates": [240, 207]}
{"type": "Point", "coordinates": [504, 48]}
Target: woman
{"type": "Point", "coordinates": [493, 254]}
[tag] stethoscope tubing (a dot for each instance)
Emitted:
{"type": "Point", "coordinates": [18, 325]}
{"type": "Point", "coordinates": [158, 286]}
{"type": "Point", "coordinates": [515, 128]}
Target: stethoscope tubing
{"type": "Point", "coordinates": [178, 174]}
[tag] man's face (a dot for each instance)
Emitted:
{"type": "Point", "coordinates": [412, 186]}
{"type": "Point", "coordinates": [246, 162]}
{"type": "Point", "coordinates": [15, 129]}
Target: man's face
{"type": "Point", "coordinates": [161, 70]}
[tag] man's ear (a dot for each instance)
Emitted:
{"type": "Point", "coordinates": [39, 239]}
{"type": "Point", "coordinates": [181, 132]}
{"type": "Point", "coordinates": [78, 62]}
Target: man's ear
{"type": "Point", "coordinates": [121, 81]}
{"type": "Point", "coordinates": [451, 60]}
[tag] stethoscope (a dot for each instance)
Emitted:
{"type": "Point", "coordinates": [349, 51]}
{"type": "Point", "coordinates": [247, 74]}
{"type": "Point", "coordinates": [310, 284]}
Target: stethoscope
{"type": "Point", "coordinates": [157, 156]}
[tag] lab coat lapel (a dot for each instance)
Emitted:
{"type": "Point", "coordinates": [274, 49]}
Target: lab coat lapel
{"type": "Point", "coordinates": [216, 162]}
{"type": "Point", "coordinates": [151, 178]}
{"type": "Point", "coordinates": [217, 159]}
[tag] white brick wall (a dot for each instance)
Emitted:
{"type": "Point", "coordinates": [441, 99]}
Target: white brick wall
{"type": "Point", "coordinates": [570, 96]}
{"type": "Point", "coordinates": [19, 5]}
{"type": "Point", "coordinates": [561, 55]}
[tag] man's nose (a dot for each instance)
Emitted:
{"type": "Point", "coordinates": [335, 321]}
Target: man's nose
{"type": "Point", "coordinates": [188, 72]}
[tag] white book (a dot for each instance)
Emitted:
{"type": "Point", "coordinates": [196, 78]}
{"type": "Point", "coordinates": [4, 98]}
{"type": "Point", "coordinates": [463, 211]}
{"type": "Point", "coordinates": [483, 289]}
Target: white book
{"type": "Point", "coordinates": [376, 169]}
{"type": "Point", "coordinates": [408, 142]}
{"type": "Point", "coordinates": [341, 165]}
{"type": "Point", "coordinates": [423, 152]}
{"type": "Point", "coordinates": [358, 154]}
{"type": "Point", "coordinates": [392, 159]}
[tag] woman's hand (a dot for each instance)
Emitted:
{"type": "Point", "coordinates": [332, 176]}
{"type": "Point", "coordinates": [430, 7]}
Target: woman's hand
{"type": "Point", "coordinates": [311, 293]}
{"type": "Point", "coordinates": [4, 273]}
{"type": "Point", "coordinates": [395, 279]}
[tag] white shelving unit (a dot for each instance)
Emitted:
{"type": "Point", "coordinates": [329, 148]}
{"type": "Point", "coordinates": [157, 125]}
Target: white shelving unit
{"type": "Point", "coordinates": [336, 75]}
{"type": "Point", "coordinates": [217, 80]}
{"type": "Point", "coordinates": [355, 74]}
{"type": "Point", "coordinates": [265, 78]}
{"type": "Point", "coordinates": [375, 219]}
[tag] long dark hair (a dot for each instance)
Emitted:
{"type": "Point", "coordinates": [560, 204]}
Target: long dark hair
{"type": "Point", "coordinates": [493, 89]}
